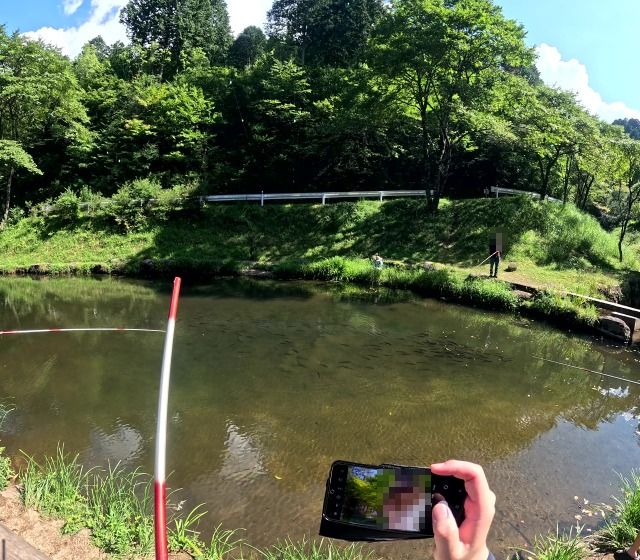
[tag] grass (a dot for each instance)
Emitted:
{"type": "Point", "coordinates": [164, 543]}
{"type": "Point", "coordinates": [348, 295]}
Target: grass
{"type": "Point", "coordinates": [115, 504]}
{"type": "Point", "coordinates": [6, 469]}
{"type": "Point", "coordinates": [566, 546]}
{"type": "Point", "coordinates": [119, 507]}
{"type": "Point", "coordinates": [554, 245]}
{"type": "Point", "coordinates": [55, 488]}
{"type": "Point", "coordinates": [452, 284]}
{"type": "Point", "coordinates": [314, 550]}
{"type": "Point", "coordinates": [623, 523]}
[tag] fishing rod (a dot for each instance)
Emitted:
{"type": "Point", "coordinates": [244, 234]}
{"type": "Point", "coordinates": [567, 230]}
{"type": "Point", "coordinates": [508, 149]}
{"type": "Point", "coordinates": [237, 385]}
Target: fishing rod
{"type": "Point", "coordinates": [485, 260]}
{"type": "Point", "coordinates": [588, 370]}
{"type": "Point", "coordinates": [89, 329]}
{"type": "Point", "coordinates": [160, 483]}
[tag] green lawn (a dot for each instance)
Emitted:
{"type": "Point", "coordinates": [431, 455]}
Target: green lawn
{"type": "Point", "coordinates": [553, 246]}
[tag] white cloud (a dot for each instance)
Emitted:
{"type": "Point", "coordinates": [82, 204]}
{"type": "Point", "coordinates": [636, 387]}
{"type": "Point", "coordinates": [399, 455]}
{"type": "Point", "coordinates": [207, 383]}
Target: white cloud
{"type": "Point", "coordinates": [71, 6]}
{"type": "Point", "coordinates": [103, 20]}
{"type": "Point", "coordinates": [572, 75]}
{"type": "Point", "coordinates": [243, 13]}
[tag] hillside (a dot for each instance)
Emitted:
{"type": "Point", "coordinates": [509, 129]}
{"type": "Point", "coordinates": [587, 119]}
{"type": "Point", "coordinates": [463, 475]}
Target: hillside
{"type": "Point", "coordinates": [551, 244]}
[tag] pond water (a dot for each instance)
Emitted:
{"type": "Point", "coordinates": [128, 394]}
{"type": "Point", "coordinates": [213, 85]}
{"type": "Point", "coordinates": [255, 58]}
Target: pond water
{"type": "Point", "coordinates": [271, 382]}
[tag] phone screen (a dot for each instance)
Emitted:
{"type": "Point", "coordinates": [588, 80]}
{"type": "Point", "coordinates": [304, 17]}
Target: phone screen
{"type": "Point", "coordinates": [385, 498]}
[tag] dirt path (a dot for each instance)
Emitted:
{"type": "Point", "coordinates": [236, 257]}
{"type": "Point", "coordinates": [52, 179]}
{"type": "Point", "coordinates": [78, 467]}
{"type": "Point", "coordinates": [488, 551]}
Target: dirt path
{"type": "Point", "coordinates": [44, 534]}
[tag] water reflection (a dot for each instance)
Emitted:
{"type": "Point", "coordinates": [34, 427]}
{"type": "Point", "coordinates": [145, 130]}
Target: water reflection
{"type": "Point", "coordinates": [272, 382]}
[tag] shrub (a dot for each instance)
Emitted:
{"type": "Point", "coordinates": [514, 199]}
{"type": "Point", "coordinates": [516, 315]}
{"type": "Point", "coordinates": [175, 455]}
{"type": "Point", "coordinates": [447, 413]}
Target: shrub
{"type": "Point", "coordinates": [67, 206]}
{"type": "Point", "coordinates": [130, 207]}
{"type": "Point", "coordinates": [488, 293]}
{"type": "Point", "coordinates": [91, 201]}
{"type": "Point", "coordinates": [554, 306]}
{"type": "Point", "coordinates": [168, 201]}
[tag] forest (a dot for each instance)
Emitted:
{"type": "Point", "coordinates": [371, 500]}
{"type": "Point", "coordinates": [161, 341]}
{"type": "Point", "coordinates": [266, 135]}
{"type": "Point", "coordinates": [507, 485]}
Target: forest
{"type": "Point", "coordinates": [440, 95]}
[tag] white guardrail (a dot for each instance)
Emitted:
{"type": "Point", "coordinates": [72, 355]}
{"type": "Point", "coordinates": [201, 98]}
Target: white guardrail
{"type": "Point", "coordinates": [323, 196]}
{"type": "Point", "coordinates": [502, 190]}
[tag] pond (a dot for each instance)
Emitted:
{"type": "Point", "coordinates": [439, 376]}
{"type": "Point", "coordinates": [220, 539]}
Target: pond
{"type": "Point", "coordinates": [273, 381]}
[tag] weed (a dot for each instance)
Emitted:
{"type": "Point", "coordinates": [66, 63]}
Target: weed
{"type": "Point", "coordinates": [621, 529]}
{"type": "Point", "coordinates": [562, 309]}
{"type": "Point", "coordinates": [222, 543]}
{"type": "Point", "coordinates": [119, 510]}
{"type": "Point", "coordinates": [314, 550]}
{"type": "Point", "coordinates": [558, 547]}
{"type": "Point", "coordinates": [6, 470]}
{"type": "Point", "coordinates": [55, 487]}
{"type": "Point", "coordinates": [183, 536]}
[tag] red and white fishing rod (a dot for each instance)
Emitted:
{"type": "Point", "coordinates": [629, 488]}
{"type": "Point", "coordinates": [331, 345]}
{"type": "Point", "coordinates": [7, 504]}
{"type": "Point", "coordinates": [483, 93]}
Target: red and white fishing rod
{"type": "Point", "coordinates": [82, 329]}
{"type": "Point", "coordinates": [160, 482]}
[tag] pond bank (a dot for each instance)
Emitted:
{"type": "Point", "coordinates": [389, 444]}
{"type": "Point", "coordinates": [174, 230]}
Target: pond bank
{"type": "Point", "coordinates": [438, 281]}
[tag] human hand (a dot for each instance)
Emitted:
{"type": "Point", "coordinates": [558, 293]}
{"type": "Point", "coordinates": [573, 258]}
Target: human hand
{"type": "Point", "coordinates": [469, 541]}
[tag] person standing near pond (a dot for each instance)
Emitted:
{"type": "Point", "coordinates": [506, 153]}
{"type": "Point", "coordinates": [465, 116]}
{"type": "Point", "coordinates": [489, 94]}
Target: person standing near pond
{"type": "Point", "coordinates": [495, 252]}
{"type": "Point", "coordinates": [378, 262]}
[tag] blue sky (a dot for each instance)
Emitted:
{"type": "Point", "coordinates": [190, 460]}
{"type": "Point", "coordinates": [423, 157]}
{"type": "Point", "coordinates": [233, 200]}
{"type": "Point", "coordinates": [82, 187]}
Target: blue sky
{"type": "Point", "coordinates": [588, 46]}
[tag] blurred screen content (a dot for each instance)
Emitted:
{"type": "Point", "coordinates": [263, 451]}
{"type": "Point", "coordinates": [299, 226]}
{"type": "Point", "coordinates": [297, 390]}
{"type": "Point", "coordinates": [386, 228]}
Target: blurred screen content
{"type": "Point", "coordinates": [392, 499]}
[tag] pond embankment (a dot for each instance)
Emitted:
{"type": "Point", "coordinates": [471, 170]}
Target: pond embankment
{"type": "Point", "coordinates": [556, 250]}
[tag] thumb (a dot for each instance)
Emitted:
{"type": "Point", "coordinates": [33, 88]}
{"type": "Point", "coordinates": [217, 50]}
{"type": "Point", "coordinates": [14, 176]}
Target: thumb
{"type": "Point", "coordinates": [445, 532]}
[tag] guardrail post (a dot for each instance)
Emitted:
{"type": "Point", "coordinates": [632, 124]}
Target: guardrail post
{"type": "Point", "coordinates": [380, 196]}
{"type": "Point", "coordinates": [261, 198]}
{"type": "Point", "coordinates": [324, 195]}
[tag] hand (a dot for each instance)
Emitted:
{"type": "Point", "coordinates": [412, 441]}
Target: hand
{"type": "Point", "coordinates": [469, 541]}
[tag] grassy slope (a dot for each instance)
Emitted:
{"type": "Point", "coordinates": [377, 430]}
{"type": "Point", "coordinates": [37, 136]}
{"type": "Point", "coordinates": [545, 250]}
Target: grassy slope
{"type": "Point", "coordinates": [553, 245]}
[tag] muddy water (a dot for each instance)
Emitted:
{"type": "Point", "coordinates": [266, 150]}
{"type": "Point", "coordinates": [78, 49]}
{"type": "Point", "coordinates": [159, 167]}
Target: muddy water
{"type": "Point", "coordinates": [271, 382]}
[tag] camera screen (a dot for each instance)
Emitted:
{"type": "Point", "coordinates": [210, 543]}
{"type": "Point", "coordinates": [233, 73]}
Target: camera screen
{"type": "Point", "coordinates": [396, 499]}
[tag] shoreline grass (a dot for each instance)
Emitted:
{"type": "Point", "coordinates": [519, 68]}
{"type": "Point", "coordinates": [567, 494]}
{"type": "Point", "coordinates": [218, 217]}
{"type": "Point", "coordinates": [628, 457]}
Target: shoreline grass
{"type": "Point", "coordinates": [448, 284]}
{"type": "Point", "coordinates": [114, 504]}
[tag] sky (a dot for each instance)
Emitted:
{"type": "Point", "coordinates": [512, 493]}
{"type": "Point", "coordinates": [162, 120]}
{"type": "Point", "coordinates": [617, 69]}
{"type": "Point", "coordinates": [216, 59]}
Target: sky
{"type": "Point", "coordinates": [587, 46]}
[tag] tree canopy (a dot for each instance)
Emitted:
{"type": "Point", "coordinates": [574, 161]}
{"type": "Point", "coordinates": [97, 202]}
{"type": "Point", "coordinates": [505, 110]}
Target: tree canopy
{"type": "Point", "coordinates": [439, 95]}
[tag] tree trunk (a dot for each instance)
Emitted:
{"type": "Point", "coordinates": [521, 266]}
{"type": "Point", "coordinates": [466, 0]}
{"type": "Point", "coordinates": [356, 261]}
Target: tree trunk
{"type": "Point", "coordinates": [567, 172]}
{"type": "Point", "coordinates": [7, 202]}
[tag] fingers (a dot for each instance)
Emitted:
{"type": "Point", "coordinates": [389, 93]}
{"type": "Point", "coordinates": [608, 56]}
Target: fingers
{"type": "Point", "coordinates": [475, 481]}
{"type": "Point", "coordinates": [480, 502]}
{"type": "Point", "coordinates": [445, 532]}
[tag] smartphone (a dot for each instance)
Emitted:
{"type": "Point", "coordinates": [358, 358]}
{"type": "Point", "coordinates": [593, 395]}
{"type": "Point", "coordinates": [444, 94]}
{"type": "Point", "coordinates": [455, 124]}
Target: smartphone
{"type": "Point", "coordinates": [386, 502]}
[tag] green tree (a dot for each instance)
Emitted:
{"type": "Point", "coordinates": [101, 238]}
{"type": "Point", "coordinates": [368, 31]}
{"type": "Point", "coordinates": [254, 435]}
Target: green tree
{"type": "Point", "coordinates": [627, 191]}
{"type": "Point", "coordinates": [441, 58]}
{"type": "Point", "coordinates": [331, 32]}
{"type": "Point", "coordinates": [631, 127]}
{"type": "Point", "coordinates": [152, 127]}
{"type": "Point", "coordinates": [247, 47]}
{"type": "Point", "coordinates": [204, 24]}
{"type": "Point", "coordinates": [551, 126]}
{"type": "Point", "coordinates": [12, 159]}
{"type": "Point", "coordinates": [176, 27]}
{"type": "Point", "coordinates": [41, 109]}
